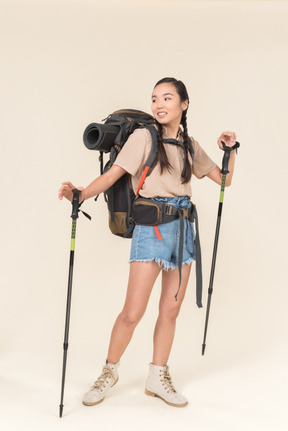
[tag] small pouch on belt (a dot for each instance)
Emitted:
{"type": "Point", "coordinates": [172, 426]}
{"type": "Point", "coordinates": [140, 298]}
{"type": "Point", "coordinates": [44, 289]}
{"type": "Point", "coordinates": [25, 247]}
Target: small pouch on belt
{"type": "Point", "coordinates": [146, 212]}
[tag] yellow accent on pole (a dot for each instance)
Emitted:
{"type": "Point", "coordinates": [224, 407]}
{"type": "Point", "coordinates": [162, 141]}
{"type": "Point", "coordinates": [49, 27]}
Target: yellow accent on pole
{"type": "Point", "coordinates": [222, 188]}
{"type": "Point", "coordinates": [72, 248]}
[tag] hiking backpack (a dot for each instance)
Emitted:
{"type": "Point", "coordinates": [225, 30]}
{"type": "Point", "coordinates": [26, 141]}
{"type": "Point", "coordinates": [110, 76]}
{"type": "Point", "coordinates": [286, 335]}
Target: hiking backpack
{"type": "Point", "coordinates": [110, 137]}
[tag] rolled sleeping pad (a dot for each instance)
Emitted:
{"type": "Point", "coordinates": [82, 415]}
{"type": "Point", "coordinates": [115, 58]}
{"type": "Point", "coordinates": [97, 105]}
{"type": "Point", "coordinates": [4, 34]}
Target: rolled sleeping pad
{"type": "Point", "coordinates": [100, 137]}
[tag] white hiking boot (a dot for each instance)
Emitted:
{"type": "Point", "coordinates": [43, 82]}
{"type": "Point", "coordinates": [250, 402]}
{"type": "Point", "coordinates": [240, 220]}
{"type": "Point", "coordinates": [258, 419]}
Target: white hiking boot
{"type": "Point", "coordinates": [100, 388]}
{"type": "Point", "coordinates": [159, 384]}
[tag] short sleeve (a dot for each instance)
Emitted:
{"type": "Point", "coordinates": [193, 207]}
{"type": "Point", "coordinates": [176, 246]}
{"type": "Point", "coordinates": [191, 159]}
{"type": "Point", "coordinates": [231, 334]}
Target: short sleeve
{"type": "Point", "coordinates": [134, 153]}
{"type": "Point", "coordinates": [202, 163]}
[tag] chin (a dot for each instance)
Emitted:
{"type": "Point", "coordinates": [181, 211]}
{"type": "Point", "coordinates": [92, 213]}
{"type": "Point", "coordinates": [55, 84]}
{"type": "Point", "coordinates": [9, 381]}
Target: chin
{"type": "Point", "coordinates": [162, 121]}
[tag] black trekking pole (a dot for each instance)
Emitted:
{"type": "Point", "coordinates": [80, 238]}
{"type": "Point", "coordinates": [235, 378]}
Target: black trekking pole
{"type": "Point", "coordinates": [75, 210]}
{"type": "Point", "coordinates": [224, 172]}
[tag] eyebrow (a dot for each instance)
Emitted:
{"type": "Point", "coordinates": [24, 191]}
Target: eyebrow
{"type": "Point", "coordinates": [165, 94]}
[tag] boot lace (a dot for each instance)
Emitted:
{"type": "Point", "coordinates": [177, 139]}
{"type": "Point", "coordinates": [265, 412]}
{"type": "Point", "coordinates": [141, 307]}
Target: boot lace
{"type": "Point", "coordinates": [106, 374]}
{"type": "Point", "coordinates": [166, 379]}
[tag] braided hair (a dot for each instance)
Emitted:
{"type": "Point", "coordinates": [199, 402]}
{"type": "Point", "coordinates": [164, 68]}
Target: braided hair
{"type": "Point", "coordinates": [162, 156]}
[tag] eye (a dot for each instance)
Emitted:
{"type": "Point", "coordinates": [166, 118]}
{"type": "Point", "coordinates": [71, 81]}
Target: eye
{"type": "Point", "coordinates": [154, 100]}
{"type": "Point", "coordinates": [167, 98]}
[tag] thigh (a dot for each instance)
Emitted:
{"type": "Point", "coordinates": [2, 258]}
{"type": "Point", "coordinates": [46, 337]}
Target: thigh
{"type": "Point", "coordinates": [142, 277]}
{"type": "Point", "coordinates": [170, 284]}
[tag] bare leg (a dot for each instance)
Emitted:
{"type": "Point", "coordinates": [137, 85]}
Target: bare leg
{"type": "Point", "coordinates": [141, 280]}
{"type": "Point", "coordinates": [168, 312]}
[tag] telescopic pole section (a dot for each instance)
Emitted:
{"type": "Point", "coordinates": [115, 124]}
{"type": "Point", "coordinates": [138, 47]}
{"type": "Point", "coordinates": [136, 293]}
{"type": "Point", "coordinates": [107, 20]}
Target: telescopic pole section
{"type": "Point", "coordinates": [75, 210]}
{"type": "Point", "coordinates": [224, 172]}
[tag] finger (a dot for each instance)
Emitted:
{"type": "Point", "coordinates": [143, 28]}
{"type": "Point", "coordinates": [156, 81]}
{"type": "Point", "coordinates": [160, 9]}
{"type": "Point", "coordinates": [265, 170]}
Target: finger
{"type": "Point", "coordinates": [229, 140]}
{"type": "Point", "coordinates": [220, 143]}
{"type": "Point", "coordinates": [64, 188]}
{"type": "Point", "coordinates": [64, 192]}
{"type": "Point", "coordinates": [230, 135]}
{"type": "Point", "coordinates": [61, 194]}
{"type": "Point", "coordinates": [68, 184]}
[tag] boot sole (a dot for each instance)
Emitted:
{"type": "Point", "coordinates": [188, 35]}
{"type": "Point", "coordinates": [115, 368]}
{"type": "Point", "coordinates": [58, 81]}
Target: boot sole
{"type": "Point", "coordinates": [100, 401]}
{"type": "Point", "coordinates": [152, 394]}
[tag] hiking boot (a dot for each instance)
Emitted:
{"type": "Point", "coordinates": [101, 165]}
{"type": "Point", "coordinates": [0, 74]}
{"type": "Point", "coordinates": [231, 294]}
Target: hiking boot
{"type": "Point", "coordinates": [100, 388]}
{"type": "Point", "coordinates": [159, 384]}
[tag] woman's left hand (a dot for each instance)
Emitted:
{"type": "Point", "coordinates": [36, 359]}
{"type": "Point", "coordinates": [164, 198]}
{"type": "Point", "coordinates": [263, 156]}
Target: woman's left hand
{"type": "Point", "coordinates": [228, 137]}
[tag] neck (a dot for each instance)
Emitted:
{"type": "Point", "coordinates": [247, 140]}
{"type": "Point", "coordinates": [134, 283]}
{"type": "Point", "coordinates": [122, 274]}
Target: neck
{"type": "Point", "coordinates": [171, 132]}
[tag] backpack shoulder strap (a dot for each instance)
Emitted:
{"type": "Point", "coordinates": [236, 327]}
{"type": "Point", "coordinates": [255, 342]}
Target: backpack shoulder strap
{"type": "Point", "coordinates": [181, 144]}
{"type": "Point", "coordinates": [152, 158]}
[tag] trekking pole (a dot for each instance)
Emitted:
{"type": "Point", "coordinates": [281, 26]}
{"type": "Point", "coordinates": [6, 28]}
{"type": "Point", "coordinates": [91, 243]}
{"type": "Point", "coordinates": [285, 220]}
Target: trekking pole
{"type": "Point", "coordinates": [224, 172]}
{"type": "Point", "coordinates": [75, 210]}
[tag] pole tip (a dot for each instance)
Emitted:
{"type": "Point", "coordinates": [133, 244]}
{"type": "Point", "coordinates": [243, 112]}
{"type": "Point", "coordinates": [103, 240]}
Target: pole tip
{"type": "Point", "coordinates": [203, 349]}
{"type": "Point", "coordinates": [61, 410]}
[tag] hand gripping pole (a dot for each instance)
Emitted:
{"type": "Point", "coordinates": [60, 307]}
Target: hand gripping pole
{"type": "Point", "coordinates": [224, 171]}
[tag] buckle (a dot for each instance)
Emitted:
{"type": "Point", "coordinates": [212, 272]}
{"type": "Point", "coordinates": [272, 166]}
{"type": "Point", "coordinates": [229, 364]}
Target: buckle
{"type": "Point", "coordinates": [168, 209]}
{"type": "Point", "coordinates": [185, 212]}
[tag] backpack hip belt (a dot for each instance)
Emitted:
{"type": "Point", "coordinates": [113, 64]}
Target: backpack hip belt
{"type": "Point", "coordinates": [152, 213]}
{"type": "Point", "coordinates": [147, 212]}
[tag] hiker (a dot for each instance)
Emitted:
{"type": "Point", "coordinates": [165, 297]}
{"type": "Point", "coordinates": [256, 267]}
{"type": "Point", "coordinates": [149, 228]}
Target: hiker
{"type": "Point", "coordinates": [154, 251]}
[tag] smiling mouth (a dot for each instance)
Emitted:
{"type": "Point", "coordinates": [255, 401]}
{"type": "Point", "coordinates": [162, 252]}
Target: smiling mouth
{"type": "Point", "coordinates": [161, 114]}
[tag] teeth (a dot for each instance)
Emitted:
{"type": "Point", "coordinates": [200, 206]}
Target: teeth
{"type": "Point", "coordinates": [161, 114]}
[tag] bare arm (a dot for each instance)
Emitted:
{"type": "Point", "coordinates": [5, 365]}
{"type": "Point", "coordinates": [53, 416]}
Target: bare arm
{"type": "Point", "coordinates": [99, 185]}
{"type": "Point", "coordinates": [216, 175]}
{"type": "Point", "coordinates": [229, 138]}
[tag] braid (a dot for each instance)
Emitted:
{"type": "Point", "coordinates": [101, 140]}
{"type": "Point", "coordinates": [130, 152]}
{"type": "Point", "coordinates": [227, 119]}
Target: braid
{"type": "Point", "coordinates": [188, 171]}
{"type": "Point", "coordinates": [162, 156]}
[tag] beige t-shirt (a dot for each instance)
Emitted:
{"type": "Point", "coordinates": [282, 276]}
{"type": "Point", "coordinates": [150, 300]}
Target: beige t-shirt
{"type": "Point", "coordinates": [168, 184]}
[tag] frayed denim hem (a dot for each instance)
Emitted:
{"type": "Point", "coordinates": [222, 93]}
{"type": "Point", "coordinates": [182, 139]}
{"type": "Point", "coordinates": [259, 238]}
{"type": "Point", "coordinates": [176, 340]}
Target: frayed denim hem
{"type": "Point", "coordinates": [188, 261]}
{"type": "Point", "coordinates": [163, 263]}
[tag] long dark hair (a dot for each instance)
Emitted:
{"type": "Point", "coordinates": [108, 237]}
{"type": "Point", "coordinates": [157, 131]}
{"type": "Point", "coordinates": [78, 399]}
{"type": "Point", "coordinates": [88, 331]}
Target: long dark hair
{"type": "Point", "coordinates": [162, 156]}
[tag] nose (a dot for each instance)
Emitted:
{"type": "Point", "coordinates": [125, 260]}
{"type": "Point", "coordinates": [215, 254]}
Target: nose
{"type": "Point", "coordinates": [160, 104]}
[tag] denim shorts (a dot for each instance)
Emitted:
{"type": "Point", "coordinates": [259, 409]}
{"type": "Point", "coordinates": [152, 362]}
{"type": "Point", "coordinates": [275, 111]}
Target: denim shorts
{"type": "Point", "coordinates": [147, 247]}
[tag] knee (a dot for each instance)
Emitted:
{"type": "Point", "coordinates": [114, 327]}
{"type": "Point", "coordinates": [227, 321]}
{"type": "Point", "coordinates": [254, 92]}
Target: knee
{"type": "Point", "coordinates": [130, 317]}
{"type": "Point", "coordinates": [169, 313]}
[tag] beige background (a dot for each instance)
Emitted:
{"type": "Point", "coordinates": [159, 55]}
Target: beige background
{"type": "Point", "coordinates": [67, 63]}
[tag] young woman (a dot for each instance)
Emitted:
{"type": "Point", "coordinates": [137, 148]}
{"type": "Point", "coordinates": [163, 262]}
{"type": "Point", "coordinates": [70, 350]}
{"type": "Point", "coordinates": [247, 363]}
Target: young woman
{"type": "Point", "coordinates": [168, 182]}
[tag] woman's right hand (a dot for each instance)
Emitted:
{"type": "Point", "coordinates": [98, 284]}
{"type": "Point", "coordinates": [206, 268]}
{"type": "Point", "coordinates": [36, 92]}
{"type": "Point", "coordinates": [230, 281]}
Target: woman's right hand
{"type": "Point", "coordinates": [66, 191]}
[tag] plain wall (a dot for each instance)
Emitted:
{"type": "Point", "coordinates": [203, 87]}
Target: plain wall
{"type": "Point", "coordinates": [65, 64]}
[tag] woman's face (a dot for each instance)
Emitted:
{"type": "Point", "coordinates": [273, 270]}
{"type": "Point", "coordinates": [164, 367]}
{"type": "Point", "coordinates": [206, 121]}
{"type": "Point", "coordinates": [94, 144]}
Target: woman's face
{"type": "Point", "coordinates": [167, 107]}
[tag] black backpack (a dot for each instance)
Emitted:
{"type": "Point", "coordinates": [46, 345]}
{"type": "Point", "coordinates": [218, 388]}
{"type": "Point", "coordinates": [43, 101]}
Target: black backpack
{"type": "Point", "coordinates": [110, 138]}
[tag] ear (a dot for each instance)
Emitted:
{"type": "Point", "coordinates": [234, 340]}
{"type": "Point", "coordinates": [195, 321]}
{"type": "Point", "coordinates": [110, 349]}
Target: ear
{"type": "Point", "coordinates": [185, 105]}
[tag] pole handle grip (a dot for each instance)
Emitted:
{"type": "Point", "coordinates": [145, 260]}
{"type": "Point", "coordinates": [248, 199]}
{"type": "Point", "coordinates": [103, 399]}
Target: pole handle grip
{"type": "Point", "coordinates": [75, 204]}
{"type": "Point", "coordinates": [227, 151]}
